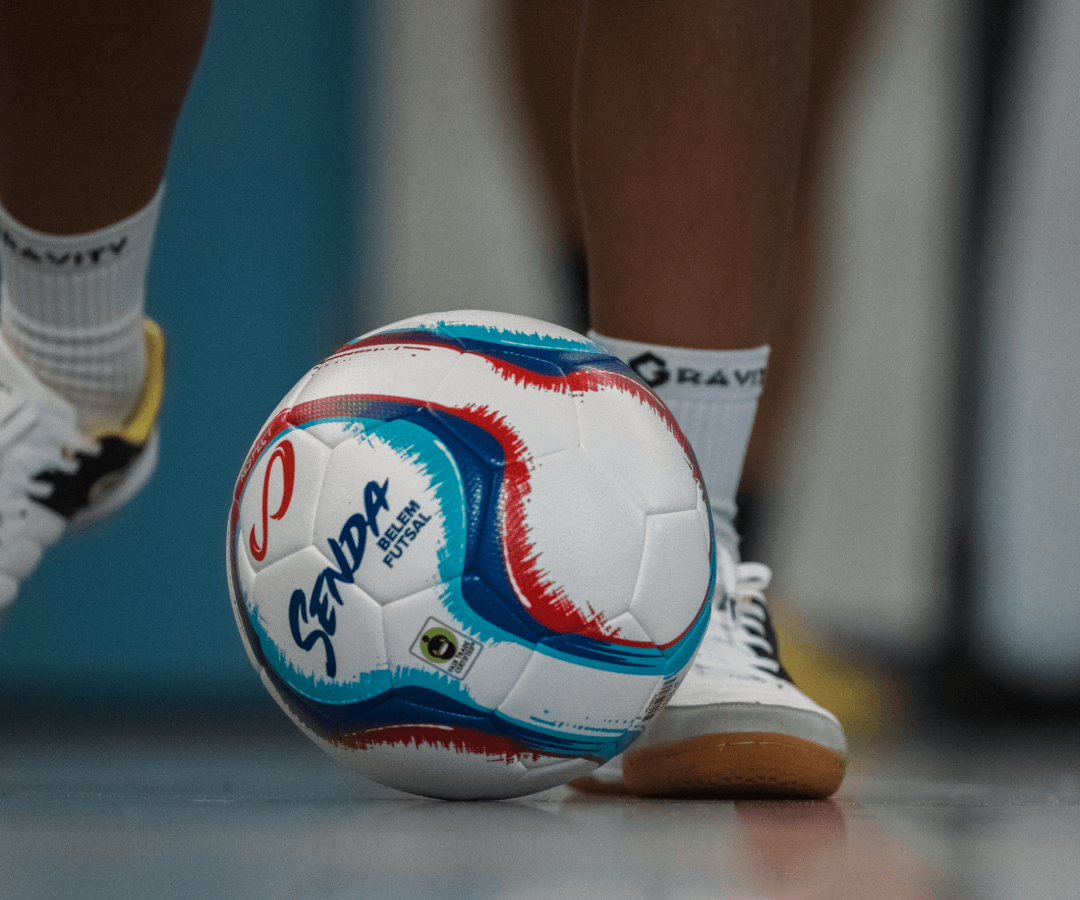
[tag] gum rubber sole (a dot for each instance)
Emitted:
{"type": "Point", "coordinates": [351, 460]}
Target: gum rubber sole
{"type": "Point", "coordinates": [729, 766]}
{"type": "Point", "coordinates": [590, 784]}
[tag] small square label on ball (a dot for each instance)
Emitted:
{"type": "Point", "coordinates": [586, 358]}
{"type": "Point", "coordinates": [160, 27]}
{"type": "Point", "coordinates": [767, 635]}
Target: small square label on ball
{"type": "Point", "coordinates": [445, 648]}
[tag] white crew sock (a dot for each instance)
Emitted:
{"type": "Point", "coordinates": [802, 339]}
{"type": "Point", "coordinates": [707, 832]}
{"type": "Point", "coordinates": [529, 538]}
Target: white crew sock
{"type": "Point", "coordinates": [71, 307]}
{"type": "Point", "coordinates": [713, 395]}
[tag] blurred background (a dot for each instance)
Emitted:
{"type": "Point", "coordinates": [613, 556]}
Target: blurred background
{"type": "Point", "coordinates": [341, 165]}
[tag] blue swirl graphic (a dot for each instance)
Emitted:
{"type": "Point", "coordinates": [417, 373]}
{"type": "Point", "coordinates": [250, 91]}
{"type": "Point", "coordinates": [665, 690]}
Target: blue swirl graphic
{"type": "Point", "coordinates": [549, 355]}
{"type": "Point", "coordinates": [420, 705]}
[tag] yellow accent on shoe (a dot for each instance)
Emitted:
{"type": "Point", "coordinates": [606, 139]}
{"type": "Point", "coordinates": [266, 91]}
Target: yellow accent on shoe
{"type": "Point", "coordinates": [144, 414]}
{"type": "Point", "coordinates": [866, 697]}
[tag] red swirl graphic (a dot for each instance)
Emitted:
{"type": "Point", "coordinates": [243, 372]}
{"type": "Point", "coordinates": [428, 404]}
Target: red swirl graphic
{"type": "Point", "coordinates": [284, 452]}
{"type": "Point", "coordinates": [495, 748]}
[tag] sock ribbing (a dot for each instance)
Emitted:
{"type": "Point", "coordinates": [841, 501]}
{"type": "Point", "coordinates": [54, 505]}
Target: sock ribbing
{"type": "Point", "coordinates": [71, 307]}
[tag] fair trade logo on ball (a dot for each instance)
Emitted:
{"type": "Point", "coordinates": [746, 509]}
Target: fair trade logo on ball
{"type": "Point", "coordinates": [445, 648]}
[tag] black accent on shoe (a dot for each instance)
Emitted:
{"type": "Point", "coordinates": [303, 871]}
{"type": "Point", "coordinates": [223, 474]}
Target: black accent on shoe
{"type": "Point", "coordinates": [770, 636]}
{"type": "Point", "coordinates": [97, 474]}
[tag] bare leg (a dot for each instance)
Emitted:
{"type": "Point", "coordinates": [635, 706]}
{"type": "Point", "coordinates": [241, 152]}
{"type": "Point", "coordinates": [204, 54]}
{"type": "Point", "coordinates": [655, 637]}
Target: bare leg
{"type": "Point", "coordinates": [89, 94]}
{"type": "Point", "coordinates": [688, 134]}
{"type": "Point", "coordinates": [542, 46]}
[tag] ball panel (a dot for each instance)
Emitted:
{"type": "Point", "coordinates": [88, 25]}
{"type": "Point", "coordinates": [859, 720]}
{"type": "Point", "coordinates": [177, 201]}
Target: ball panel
{"type": "Point", "coordinates": [628, 628]}
{"type": "Point", "coordinates": [681, 653]}
{"type": "Point", "coordinates": [674, 579]}
{"type": "Point", "coordinates": [397, 369]}
{"type": "Point", "coordinates": [589, 714]}
{"type": "Point", "coordinates": [330, 432]}
{"type": "Point", "coordinates": [575, 557]}
{"type": "Point", "coordinates": [627, 433]}
{"type": "Point", "coordinates": [530, 414]}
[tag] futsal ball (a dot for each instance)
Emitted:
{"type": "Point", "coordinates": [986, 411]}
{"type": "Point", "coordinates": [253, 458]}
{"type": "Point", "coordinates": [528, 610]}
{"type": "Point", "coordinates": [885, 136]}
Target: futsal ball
{"type": "Point", "coordinates": [470, 555]}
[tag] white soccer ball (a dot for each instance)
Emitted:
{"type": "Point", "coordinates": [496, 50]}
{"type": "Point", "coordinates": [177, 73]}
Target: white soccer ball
{"type": "Point", "coordinates": [470, 555]}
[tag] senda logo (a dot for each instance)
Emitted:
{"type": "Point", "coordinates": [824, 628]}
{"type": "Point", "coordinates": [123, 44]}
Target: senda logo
{"type": "Point", "coordinates": [285, 453]}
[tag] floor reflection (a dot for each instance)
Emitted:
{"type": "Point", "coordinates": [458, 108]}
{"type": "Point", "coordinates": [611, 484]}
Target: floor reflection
{"type": "Point", "coordinates": [812, 850]}
{"type": "Point", "coordinates": [117, 813]}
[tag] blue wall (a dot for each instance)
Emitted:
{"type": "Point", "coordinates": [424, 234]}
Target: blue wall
{"type": "Point", "coordinates": [251, 280]}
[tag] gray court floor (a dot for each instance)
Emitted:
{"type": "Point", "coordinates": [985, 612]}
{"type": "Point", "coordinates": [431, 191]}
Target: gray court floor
{"type": "Point", "coordinates": [208, 805]}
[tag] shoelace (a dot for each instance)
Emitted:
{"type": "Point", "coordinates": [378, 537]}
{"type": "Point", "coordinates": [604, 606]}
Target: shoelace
{"type": "Point", "coordinates": [741, 620]}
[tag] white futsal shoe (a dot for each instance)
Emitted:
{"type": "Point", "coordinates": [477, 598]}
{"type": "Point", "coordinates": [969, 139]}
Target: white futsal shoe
{"type": "Point", "coordinates": [737, 726]}
{"type": "Point", "coordinates": [52, 475]}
